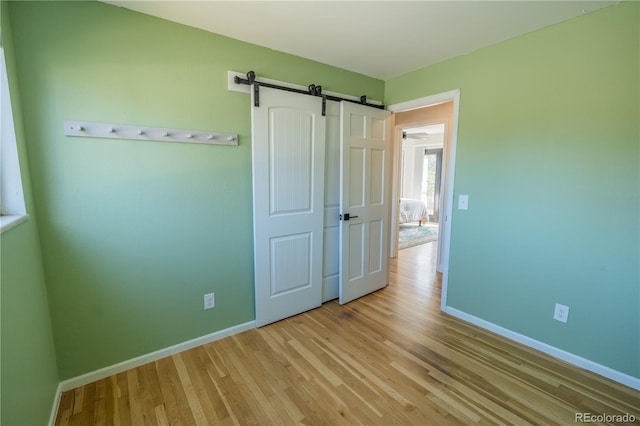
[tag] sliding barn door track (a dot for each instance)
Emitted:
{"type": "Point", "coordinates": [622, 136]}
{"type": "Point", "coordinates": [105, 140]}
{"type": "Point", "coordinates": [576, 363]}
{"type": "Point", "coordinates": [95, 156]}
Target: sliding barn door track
{"type": "Point", "coordinates": [312, 90]}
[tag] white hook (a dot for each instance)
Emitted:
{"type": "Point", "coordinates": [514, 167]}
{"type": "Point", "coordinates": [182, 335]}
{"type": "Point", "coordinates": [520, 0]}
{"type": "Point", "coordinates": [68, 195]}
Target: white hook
{"type": "Point", "coordinates": [189, 135]}
{"type": "Point", "coordinates": [210, 137]}
{"type": "Point", "coordinates": [231, 138]}
{"type": "Point", "coordinates": [165, 134]}
{"type": "Point", "coordinates": [111, 130]}
{"type": "Point", "coordinates": [140, 132]}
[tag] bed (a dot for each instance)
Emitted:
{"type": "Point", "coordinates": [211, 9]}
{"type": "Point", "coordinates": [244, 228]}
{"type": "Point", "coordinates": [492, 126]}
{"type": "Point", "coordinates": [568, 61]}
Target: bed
{"type": "Point", "coordinates": [413, 211]}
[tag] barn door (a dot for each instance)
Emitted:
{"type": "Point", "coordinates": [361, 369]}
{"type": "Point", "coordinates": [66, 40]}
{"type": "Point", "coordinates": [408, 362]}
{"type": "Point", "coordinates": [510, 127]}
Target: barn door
{"type": "Point", "coordinates": [288, 202]}
{"type": "Point", "coordinates": [364, 200]}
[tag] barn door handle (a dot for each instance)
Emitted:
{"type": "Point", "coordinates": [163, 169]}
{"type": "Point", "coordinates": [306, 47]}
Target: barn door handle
{"type": "Point", "coordinates": [347, 216]}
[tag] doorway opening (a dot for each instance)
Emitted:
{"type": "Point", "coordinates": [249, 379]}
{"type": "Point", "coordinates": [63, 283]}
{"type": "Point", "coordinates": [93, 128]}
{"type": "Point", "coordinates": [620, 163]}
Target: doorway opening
{"type": "Point", "coordinates": [423, 171]}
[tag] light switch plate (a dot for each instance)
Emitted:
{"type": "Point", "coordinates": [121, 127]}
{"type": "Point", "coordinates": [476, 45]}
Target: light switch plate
{"type": "Point", "coordinates": [463, 202]}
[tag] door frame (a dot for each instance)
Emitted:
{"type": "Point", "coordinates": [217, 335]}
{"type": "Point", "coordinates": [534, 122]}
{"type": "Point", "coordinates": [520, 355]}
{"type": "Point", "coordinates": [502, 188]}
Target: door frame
{"type": "Point", "coordinates": [449, 162]}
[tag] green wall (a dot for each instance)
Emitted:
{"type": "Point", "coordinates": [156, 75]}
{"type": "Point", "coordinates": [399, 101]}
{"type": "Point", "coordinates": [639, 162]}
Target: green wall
{"type": "Point", "coordinates": [134, 233]}
{"type": "Point", "coordinates": [548, 151]}
{"type": "Point", "coordinates": [27, 353]}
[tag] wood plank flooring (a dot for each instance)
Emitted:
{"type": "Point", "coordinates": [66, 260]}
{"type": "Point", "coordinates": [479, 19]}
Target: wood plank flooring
{"type": "Point", "coordinates": [389, 358]}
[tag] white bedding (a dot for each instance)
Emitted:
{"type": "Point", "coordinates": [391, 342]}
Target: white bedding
{"type": "Point", "coordinates": [413, 210]}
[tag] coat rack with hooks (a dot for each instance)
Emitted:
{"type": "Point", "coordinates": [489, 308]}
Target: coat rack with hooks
{"type": "Point", "coordinates": [122, 131]}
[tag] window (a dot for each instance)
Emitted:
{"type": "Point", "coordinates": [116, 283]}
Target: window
{"type": "Point", "coordinates": [12, 207]}
{"type": "Point", "coordinates": [431, 172]}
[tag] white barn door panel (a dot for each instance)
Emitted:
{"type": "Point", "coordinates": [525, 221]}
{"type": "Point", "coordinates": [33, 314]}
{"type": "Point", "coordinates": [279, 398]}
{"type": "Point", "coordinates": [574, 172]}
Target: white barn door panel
{"type": "Point", "coordinates": [365, 197]}
{"type": "Point", "coordinates": [288, 201]}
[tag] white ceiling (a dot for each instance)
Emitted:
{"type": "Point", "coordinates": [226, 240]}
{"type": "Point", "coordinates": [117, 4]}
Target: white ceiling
{"type": "Point", "coordinates": [381, 39]}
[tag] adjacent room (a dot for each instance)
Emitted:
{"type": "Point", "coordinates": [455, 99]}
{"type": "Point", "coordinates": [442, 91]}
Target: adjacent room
{"type": "Point", "coordinates": [403, 236]}
{"type": "Point", "coordinates": [421, 171]}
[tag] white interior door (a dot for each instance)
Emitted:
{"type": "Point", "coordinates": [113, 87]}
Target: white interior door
{"type": "Point", "coordinates": [288, 190]}
{"type": "Point", "coordinates": [365, 183]}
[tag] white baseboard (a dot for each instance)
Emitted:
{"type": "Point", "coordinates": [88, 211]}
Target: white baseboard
{"type": "Point", "coordinates": [56, 405]}
{"type": "Point", "coordinates": [91, 377]}
{"type": "Point", "coordinates": [617, 376]}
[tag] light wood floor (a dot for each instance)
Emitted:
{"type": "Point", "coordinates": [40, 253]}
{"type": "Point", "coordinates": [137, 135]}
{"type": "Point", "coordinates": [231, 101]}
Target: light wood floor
{"type": "Point", "coordinates": [388, 358]}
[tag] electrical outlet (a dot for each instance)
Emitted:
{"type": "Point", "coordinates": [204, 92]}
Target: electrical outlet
{"type": "Point", "coordinates": [209, 300]}
{"type": "Point", "coordinates": [561, 313]}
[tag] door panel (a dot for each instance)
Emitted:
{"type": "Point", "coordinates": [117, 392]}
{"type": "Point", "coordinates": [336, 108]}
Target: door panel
{"type": "Point", "coordinates": [291, 159]}
{"type": "Point", "coordinates": [365, 162]}
{"type": "Point", "coordinates": [377, 176]}
{"type": "Point", "coordinates": [357, 125]}
{"type": "Point", "coordinates": [376, 233]}
{"type": "Point", "coordinates": [291, 263]}
{"type": "Point", "coordinates": [331, 247]}
{"type": "Point", "coordinates": [356, 250]}
{"type": "Point", "coordinates": [357, 157]}
{"type": "Point", "coordinates": [288, 189]}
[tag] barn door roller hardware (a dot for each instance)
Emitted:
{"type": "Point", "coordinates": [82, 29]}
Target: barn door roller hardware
{"type": "Point", "coordinates": [312, 90]}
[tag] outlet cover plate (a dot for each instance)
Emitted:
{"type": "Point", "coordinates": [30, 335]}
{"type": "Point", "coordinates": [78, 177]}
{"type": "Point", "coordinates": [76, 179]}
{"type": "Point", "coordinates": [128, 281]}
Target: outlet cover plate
{"type": "Point", "coordinates": [209, 300]}
{"type": "Point", "coordinates": [561, 313]}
